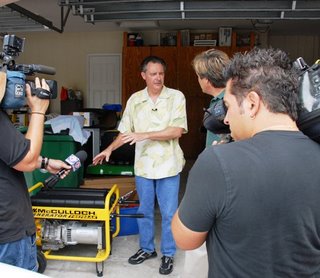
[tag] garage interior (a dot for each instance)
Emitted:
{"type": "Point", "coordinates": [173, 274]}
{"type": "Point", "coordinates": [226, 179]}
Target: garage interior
{"type": "Point", "coordinates": [75, 36]}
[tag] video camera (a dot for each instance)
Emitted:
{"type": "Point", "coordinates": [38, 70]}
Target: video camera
{"type": "Point", "coordinates": [309, 93]}
{"type": "Point", "coordinates": [14, 97]}
{"type": "Point", "coordinates": [214, 117]}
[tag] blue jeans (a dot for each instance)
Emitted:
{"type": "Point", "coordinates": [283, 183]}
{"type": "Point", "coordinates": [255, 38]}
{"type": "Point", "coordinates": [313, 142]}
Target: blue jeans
{"type": "Point", "coordinates": [166, 190]}
{"type": "Point", "coordinates": [21, 253]}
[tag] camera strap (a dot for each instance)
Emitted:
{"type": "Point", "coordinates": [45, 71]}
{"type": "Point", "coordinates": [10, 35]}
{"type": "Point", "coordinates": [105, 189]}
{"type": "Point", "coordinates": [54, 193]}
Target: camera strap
{"type": "Point", "coordinates": [42, 93]}
{"type": "Point", "coordinates": [3, 82]}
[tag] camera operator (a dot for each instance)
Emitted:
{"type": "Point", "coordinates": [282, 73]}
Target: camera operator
{"type": "Point", "coordinates": [20, 154]}
{"type": "Point", "coordinates": [255, 201]}
{"type": "Point", "coordinates": [208, 66]}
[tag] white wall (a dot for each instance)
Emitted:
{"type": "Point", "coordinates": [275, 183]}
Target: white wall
{"type": "Point", "coordinates": [67, 53]}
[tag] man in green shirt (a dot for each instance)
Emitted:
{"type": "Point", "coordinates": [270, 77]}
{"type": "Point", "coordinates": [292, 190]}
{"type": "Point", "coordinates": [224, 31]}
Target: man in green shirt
{"type": "Point", "coordinates": [209, 66]}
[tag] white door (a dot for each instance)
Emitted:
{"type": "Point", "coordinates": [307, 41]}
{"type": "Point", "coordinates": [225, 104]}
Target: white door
{"type": "Point", "coordinates": [104, 80]}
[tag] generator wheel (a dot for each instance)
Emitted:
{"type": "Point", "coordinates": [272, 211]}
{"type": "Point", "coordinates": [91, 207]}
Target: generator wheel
{"type": "Point", "coordinates": [42, 261]}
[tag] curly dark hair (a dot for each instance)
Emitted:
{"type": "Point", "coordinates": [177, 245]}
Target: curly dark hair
{"type": "Point", "coordinates": [268, 72]}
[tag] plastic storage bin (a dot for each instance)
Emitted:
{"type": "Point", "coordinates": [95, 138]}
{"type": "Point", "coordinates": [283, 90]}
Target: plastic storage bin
{"type": "Point", "coordinates": [128, 225]}
{"type": "Point", "coordinates": [58, 147]}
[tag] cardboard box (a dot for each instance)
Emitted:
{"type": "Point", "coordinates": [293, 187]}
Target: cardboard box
{"type": "Point", "coordinates": [125, 184]}
{"type": "Point", "coordinates": [90, 119]}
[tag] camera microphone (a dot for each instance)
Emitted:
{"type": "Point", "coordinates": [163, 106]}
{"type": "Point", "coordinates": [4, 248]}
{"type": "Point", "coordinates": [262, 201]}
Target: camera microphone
{"type": "Point", "coordinates": [29, 69]}
{"type": "Point", "coordinates": [43, 69]}
{"type": "Point", "coordinates": [75, 161]}
{"type": "Point", "coordinates": [154, 109]}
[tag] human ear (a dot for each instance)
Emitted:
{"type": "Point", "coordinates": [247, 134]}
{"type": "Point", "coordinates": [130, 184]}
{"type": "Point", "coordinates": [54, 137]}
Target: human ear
{"type": "Point", "coordinates": [253, 103]}
{"type": "Point", "coordinates": [143, 74]}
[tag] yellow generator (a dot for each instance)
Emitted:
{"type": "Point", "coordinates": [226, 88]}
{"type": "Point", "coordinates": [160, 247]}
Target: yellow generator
{"type": "Point", "coordinates": [66, 217]}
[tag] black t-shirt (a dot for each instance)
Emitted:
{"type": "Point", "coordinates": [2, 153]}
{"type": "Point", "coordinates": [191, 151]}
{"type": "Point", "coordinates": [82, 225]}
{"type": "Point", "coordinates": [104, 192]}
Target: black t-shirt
{"type": "Point", "coordinates": [16, 218]}
{"type": "Point", "coordinates": [259, 201]}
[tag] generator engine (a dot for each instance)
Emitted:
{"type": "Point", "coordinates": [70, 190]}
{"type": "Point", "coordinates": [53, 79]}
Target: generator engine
{"type": "Point", "coordinates": [56, 234]}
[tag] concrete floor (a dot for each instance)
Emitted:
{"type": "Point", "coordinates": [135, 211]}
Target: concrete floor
{"type": "Point", "coordinates": [116, 265]}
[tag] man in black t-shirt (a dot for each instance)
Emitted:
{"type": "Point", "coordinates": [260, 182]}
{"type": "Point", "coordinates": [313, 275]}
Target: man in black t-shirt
{"type": "Point", "coordinates": [255, 201]}
{"type": "Point", "coordinates": [20, 154]}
